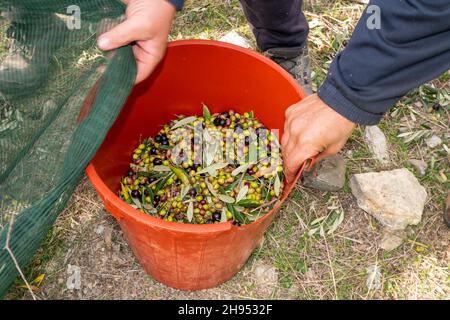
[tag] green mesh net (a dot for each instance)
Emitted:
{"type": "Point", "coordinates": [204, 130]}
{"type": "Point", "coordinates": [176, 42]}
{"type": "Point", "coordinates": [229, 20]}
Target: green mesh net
{"type": "Point", "coordinates": [59, 95]}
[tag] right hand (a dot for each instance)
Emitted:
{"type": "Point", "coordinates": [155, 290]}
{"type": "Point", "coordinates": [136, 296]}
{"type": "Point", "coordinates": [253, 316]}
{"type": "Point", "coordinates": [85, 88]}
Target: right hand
{"type": "Point", "coordinates": [148, 24]}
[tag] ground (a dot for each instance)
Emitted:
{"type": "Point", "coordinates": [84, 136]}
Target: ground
{"type": "Point", "coordinates": [295, 265]}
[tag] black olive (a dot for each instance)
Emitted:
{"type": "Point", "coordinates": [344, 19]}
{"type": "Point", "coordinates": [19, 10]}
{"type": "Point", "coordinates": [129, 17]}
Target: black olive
{"type": "Point", "coordinates": [192, 192]}
{"type": "Point", "coordinates": [436, 106]}
{"type": "Point", "coordinates": [209, 221]}
{"type": "Point", "coordinates": [247, 139]}
{"type": "Point", "coordinates": [158, 138]}
{"type": "Point", "coordinates": [130, 172]}
{"type": "Point", "coordinates": [153, 151]}
{"type": "Point", "coordinates": [236, 223]}
{"type": "Point", "coordinates": [217, 121]}
{"type": "Point", "coordinates": [165, 142]}
{"type": "Point", "coordinates": [225, 114]}
{"type": "Point", "coordinates": [146, 193]}
{"type": "Point", "coordinates": [151, 179]}
{"type": "Point", "coordinates": [156, 199]}
{"type": "Point", "coordinates": [217, 216]}
{"type": "Point", "coordinates": [223, 122]}
{"type": "Point", "coordinates": [157, 162]}
{"type": "Point", "coordinates": [135, 194]}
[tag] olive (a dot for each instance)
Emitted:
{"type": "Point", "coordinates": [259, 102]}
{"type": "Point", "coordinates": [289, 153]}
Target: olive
{"type": "Point", "coordinates": [236, 223]}
{"type": "Point", "coordinates": [156, 199]}
{"type": "Point", "coordinates": [135, 194]}
{"type": "Point", "coordinates": [247, 139]}
{"type": "Point", "coordinates": [238, 126]}
{"type": "Point", "coordinates": [250, 171]}
{"type": "Point", "coordinates": [151, 179]}
{"type": "Point", "coordinates": [437, 106]}
{"type": "Point", "coordinates": [130, 172]}
{"type": "Point", "coordinates": [209, 221]}
{"type": "Point", "coordinates": [225, 114]}
{"type": "Point", "coordinates": [192, 192]}
{"type": "Point", "coordinates": [146, 193]}
{"type": "Point", "coordinates": [153, 151]}
{"type": "Point", "coordinates": [222, 122]}
{"type": "Point", "coordinates": [217, 216]}
{"type": "Point", "coordinates": [158, 138]}
{"type": "Point", "coordinates": [157, 162]}
{"type": "Point", "coordinates": [217, 121]}
{"type": "Point", "coordinates": [165, 142]}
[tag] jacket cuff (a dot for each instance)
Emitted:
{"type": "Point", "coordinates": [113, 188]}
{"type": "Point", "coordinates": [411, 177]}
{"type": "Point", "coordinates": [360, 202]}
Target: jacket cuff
{"type": "Point", "coordinates": [333, 98]}
{"type": "Point", "coordinates": [177, 3]}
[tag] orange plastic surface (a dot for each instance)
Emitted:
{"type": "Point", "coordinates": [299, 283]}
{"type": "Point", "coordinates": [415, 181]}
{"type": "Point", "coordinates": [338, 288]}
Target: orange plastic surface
{"type": "Point", "coordinates": [223, 76]}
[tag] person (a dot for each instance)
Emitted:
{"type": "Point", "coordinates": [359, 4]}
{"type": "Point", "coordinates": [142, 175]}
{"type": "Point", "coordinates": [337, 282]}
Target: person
{"type": "Point", "coordinates": [377, 67]}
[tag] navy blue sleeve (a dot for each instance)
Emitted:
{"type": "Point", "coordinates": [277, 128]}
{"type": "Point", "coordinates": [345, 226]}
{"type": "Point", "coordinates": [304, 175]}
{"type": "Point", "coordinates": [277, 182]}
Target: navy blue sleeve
{"type": "Point", "coordinates": [379, 66]}
{"type": "Point", "coordinates": [177, 3]}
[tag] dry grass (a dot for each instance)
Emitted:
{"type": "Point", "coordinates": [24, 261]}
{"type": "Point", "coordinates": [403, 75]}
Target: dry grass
{"type": "Point", "coordinates": [331, 267]}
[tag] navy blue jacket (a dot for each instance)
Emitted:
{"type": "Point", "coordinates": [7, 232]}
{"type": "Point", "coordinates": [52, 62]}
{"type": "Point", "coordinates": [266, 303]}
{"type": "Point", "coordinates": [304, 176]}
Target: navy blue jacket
{"type": "Point", "coordinates": [380, 65]}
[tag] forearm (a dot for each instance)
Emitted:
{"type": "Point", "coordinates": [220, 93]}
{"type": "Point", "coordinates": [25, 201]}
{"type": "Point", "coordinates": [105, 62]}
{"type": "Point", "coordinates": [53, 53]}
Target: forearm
{"type": "Point", "coordinates": [379, 66]}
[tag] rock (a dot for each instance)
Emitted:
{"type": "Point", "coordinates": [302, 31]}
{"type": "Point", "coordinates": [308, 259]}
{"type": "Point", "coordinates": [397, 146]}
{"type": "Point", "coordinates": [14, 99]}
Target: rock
{"type": "Point", "coordinates": [392, 239]}
{"type": "Point", "coordinates": [433, 141]}
{"type": "Point", "coordinates": [265, 275]}
{"type": "Point", "coordinates": [99, 230]}
{"type": "Point", "coordinates": [419, 165]}
{"type": "Point", "coordinates": [377, 143]}
{"type": "Point", "coordinates": [395, 198]}
{"type": "Point", "coordinates": [327, 175]}
{"type": "Point", "coordinates": [236, 38]}
{"type": "Point", "coordinates": [74, 277]}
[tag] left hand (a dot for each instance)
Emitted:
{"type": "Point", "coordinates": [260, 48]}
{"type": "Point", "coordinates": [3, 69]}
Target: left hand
{"type": "Point", "coordinates": [312, 128]}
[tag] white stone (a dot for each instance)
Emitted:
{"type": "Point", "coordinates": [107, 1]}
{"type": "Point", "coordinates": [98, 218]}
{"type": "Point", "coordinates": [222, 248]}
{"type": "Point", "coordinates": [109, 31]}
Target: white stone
{"type": "Point", "coordinates": [419, 165]}
{"type": "Point", "coordinates": [395, 198]}
{"type": "Point", "coordinates": [237, 39]}
{"type": "Point", "coordinates": [392, 239]}
{"type": "Point", "coordinates": [433, 141]}
{"type": "Point", "coordinates": [377, 143]}
{"type": "Point", "coordinates": [265, 275]}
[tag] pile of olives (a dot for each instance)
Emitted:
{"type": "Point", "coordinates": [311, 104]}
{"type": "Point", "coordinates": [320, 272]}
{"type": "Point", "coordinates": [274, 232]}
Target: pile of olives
{"type": "Point", "coordinates": [206, 169]}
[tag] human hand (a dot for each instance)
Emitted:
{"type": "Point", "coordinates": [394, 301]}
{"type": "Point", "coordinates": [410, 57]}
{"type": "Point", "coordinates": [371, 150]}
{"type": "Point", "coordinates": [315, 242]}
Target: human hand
{"type": "Point", "coordinates": [312, 128]}
{"type": "Point", "coordinates": [147, 24]}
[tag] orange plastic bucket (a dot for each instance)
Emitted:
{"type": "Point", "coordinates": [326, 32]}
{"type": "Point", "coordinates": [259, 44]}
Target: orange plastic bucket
{"type": "Point", "coordinates": [223, 76]}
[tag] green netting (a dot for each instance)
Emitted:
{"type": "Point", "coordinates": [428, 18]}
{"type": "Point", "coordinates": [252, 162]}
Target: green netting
{"type": "Point", "coordinates": [59, 95]}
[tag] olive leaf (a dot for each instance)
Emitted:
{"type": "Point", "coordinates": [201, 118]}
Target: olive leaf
{"type": "Point", "coordinates": [248, 203]}
{"type": "Point", "coordinates": [183, 122]}
{"type": "Point", "coordinates": [240, 169]}
{"type": "Point", "coordinates": [190, 211]}
{"type": "Point", "coordinates": [225, 198]}
{"type": "Point", "coordinates": [181, 174]}
{"type": "Point", "coordinates": [212, 168]}
{"type": "Point", "coordinates": [137, 202]}
{"type": "Point", "coordinates": [184, 190]}
{"type": "Point", "coordinates": [242, 193]}
{"type": "Point", "coordinates": [125, 193]}
{"type": "Point", "coordinates": [277, 185]}
{"type": "Point", "coordinates": [211, 188]}
{"type": "Point", "coordinates": [161, 168]}
{"type": "Point", "coordinates": [223, 217]}
{"type": "Point", "coordinates": [206, 113]}
{"type": "Point", "coordinates": [232, 185]}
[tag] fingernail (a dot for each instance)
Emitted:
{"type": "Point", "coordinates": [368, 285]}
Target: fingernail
{"type": "Point", "coordinates": [103, 43]}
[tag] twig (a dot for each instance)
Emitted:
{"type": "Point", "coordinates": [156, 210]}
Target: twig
{"type": "Point", "coordinates": [7, 248]}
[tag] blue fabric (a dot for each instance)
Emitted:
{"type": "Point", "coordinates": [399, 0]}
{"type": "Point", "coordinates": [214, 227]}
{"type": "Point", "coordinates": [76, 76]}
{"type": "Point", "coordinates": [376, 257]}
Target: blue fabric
{"type": "Point", "coordinates": [177, 3]}
{"type": "Point", "coordinates": [379, 66]}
